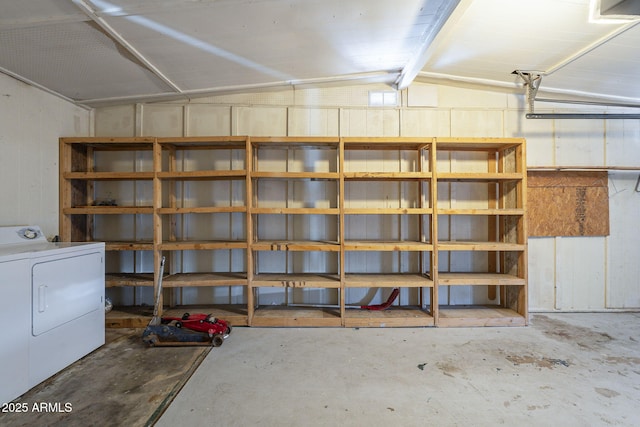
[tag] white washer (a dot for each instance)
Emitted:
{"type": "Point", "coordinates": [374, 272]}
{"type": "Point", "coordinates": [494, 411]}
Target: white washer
{"type": "Point", "coordinates": [51, 306]}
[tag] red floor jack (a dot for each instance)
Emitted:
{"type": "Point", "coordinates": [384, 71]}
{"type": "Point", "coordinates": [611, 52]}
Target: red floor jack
{"type": "Point", "coordinates": [189, 330]}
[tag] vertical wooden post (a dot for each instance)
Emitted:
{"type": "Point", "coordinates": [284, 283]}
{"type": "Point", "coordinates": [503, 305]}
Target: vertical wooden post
{"type": "Point", "coordinates": [494, 165]}
{"type": "Point", "coordinates": [173, 217]}
{"type": "Point", "coordinates": [341, 229]}
{"type": "Point", "coordinates": [249, 232]}
{"type": "Point", "coordinates": [157, 221]}
{"type": "Point", "coordinates": [64, 201]}
{"type": "Point", "coordinates": [433, 200]}
{"type": "Point", "coordinates": [421, 264]}
{"type": "Point", "coordinates": [521, 202]}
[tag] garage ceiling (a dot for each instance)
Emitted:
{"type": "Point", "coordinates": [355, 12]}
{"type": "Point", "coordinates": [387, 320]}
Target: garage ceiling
{"type": "Point", "coordinates": [99, 52]}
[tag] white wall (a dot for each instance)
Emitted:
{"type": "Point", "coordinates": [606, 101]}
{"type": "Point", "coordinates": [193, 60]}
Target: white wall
{"type": "Point", "coordinates": [585, 273]}
{"type": "Point", "coordinates": [31, 121]}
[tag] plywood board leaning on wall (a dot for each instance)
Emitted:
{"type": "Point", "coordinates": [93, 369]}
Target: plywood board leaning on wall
{"type": "Point", "coordinates": [568, 203]}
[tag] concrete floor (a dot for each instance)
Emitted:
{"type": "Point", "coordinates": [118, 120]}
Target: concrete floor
{"type": "Point", "coordinates": [563, 370]}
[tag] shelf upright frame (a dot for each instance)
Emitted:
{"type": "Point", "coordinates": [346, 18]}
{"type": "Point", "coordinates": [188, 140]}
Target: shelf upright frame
{"type": "Point", "coordinates": [157, 224]}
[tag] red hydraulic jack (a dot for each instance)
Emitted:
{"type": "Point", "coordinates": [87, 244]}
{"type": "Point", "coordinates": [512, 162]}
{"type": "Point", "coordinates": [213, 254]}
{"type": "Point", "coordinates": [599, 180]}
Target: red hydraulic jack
{"type": "Point", "coordinates": [189, 330]}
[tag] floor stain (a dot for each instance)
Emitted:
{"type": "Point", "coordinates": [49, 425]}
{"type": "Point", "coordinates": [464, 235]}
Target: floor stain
{"type": "Point", "coordinates": [421, 366]}
{"type": "Point", "coordinates": [448, 369]}
{"type": "Point", "coordinates": [620, 360]}
{"type": "Point", "coordinates": [607, 392]}
{"type": "Point", "coordinates": [541, 362]}
{"type": "Point", "coordinates": [566, 332]}
{"type": "Point", "coordinates": [536, 407]}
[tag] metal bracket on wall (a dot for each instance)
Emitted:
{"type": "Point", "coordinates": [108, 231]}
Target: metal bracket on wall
{"type": "Point", "coordinates": [532, 83]}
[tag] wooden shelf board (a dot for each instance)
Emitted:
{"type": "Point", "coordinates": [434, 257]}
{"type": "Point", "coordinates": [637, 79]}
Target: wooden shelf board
{"type": "Point", "coordinates": [395, 316]}
{"type": "Point", "coordinates": [388, 211]}
{"type": "Point", "coordinates": [297, 142]}
{"type": "Point", "coordinates": [108, 210]}
{"type": "Point", "coordinates": [505, 212]}
{"type": "Point", "coordinates": [379, 245]}
{"type": "Point", "coordinates": [204, 142]}
{"type": "Point", "coordinates": [386, 176]}
{"type": "Point", "coordinates": [480, 246]}
{"type": "Point", "coordinates": [204, 279]}
{"type": "Point", "coordinates": [296, 211]}
{"type": "Point", "coordinates": [295, 246]}
{"type": "Point", "coordinates": [463, 316]}
{"type": "Point", "coordinates": [280, 175]}
{"type": "Point", "coordinates": [479, 176]}
{"type": "Point", "coordinates": [139, 317]}
{"type": "Point", "coordinates": [398, 280]}
{"type": "Point", "coordinates": [202, 175]}
{"type": "Point", "coordinates": [192, 245]}
{"type": "Point", "coordinates": [145, 141]}
{"type": "Point", "coordinates": [296, 280]}
{"type": "Point", "coordinates": [129, 246]}
{"type": "Point", "coordinates": [476, 144]}
{"type": "Point", "coordinates": [383, 143]}
{"type": "Point", "coordinates": [105, 176]}
{"type": "Point", "coordinates": [128, 279]}
{"type": "Point", "coordinates": [296, 316]}
{"type": "Point", "coordinates": [234, 313]}
{"type": "Point", "coordinates": [201, 210]}
{"type": "Point", "coordinates": [128, 317]}
{"type": "Point", "coordinates": [490, 279]}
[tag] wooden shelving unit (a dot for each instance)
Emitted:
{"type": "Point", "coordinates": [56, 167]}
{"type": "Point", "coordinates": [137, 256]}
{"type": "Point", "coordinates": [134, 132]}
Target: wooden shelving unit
{"type": "Point", "coordinates": [404, 209]}
{"type": "Point", "coordinates": [303, 231]}
{"type": "Point", "coordinates": [97, 193]}
{"type": "Point", "coordinates": [295, 218]}
{"type": "Point", "coordinates": [184, 231]}
{"type": "Point", "coordinates": [503, 250]}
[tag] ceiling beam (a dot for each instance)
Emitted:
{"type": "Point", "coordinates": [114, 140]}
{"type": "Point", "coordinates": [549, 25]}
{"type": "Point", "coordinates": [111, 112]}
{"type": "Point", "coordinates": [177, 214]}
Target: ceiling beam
{"type": "Point", "coordinates": [419, 59]}
{"type": "Point", "coordinates": [381, 77]}
{"type": "Point", "coordinates": [104, 8]}
{"type": "Point", "coordinates": [39, 86]}
{"type": "Point", "coordinates": [578, 97]}
{"type": "Point", "coordinates": [38, 21]}
{"type": "Point", "coordinates": [91, 13]}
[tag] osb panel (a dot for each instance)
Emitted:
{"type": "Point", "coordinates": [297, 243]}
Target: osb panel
{"type": "Point", "coordinates": [568, 203]}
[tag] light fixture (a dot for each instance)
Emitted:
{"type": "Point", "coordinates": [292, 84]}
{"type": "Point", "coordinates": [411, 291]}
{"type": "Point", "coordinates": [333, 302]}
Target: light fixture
{"type": "Point", "coordinates": [614, 11]}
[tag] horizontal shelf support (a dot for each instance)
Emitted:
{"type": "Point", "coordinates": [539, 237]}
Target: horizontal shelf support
{"type": "Point", "coordinates": [296, 246]}
{"type": "Point", "coordinates": [479, 279]}
{"type": "Point", "coordinates": [388, 211]}
{"type": "Point", "coordinates": [201, 245]}
{"type": "Point", "coordinates": [107, 176]}
{"type": "Point", "coordinates": [109, 210]}
{"type": "Point", "coordinates": [350, 245]}
{"type": "Point", "coordinates": [295, 211]}
{"type": "Point", "coordinates": [481, 246]}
